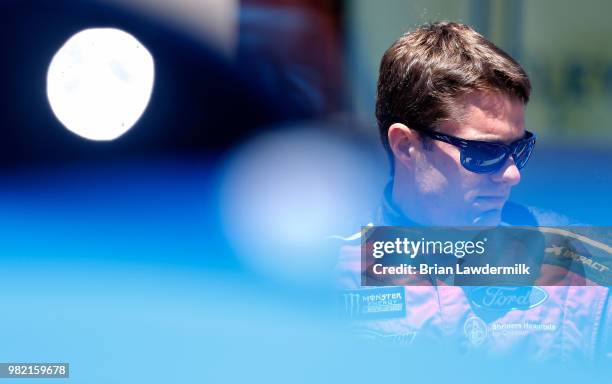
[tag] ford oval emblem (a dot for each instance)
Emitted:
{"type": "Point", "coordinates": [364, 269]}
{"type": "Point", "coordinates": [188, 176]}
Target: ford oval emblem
{"type": "Point", "coordinates": [507, 298]}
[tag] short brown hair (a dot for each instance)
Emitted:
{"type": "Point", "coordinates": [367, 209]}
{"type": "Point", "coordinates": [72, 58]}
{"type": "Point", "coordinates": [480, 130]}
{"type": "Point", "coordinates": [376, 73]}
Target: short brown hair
{"type": "Point", "coordinates": [425, 71]}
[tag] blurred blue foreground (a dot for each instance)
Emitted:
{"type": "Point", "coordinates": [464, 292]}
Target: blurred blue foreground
{"type": "Point", "coordinates": [124, 272]}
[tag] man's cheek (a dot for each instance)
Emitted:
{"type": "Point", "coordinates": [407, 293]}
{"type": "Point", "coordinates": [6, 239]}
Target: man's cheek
{"type": "Point", "coordinates": [432, 182]}
{"type": "Point", "coordinates": [472, 185]}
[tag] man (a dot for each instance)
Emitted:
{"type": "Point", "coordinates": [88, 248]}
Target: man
{"type": "Point", "coordinates": [447, 78]}
{"type": "Point", "coordinates": [451, 113]}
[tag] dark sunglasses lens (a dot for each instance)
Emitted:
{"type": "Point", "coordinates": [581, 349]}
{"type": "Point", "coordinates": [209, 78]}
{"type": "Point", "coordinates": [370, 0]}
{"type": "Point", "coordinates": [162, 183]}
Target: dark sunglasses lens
{"type": "Point", "coordinates": [522, 153]}
{"type": "Point", "coordinates": [484, 158]}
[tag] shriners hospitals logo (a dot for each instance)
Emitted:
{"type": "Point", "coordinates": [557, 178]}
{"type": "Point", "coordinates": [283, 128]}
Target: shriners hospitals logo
{"type": "Point", "coordinates": [475, 330]}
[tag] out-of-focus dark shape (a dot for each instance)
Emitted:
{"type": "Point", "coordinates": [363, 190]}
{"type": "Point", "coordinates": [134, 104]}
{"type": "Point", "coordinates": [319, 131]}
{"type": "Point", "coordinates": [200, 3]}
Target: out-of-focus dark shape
{"type": "Point", "coordinates": [214, 22]}
{"type": "Point", "coordinates": [293, 49]}
{"type": "Point", "coordinates": [203, 102]}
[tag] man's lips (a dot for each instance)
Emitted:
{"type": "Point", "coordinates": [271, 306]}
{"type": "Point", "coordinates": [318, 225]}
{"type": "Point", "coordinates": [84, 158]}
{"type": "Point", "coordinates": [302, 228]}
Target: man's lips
{"type": "Point", "coordinates": [487, 202]}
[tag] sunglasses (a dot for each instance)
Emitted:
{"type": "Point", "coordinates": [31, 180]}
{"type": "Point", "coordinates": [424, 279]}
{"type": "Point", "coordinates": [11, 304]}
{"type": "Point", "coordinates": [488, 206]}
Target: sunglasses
{"type": "Point", "coordinates": [487, 157]}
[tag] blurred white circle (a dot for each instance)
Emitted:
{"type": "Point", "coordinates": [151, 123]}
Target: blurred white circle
{"type": "Point", "coordinates": [100, 82]}
{"type": "Point", "coordinates": [285, 193]}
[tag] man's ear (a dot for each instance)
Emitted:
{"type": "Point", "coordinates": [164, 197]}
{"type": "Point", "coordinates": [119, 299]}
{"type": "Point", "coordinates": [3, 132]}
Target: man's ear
{"type": "Point", "coordinates": [402, 141]}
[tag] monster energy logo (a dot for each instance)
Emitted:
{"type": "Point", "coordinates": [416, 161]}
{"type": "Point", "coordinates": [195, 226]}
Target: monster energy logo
{"type": "Point", "coordinates": [374, 303]}
{"type": "Point", "coordinates": [352, 304]}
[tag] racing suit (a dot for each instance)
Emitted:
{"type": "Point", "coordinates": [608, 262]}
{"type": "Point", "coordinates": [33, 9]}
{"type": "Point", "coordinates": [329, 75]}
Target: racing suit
{"type": "Point", "coordinates": [562, 323]}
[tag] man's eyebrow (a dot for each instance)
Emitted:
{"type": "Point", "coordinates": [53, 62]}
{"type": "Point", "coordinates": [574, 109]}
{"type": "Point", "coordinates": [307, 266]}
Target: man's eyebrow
{"type": "Point", "coordinates": [495, 139]}
{"type": "Point", "coordinates": [489, 138]}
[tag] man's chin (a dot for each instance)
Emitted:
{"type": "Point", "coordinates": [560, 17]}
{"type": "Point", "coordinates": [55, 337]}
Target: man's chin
{"type": "Point", "coordinates": [491, 217]}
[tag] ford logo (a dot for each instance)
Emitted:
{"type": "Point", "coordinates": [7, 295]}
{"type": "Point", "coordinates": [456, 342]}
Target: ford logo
{"type": "Point", "coordinates": [507, 298]}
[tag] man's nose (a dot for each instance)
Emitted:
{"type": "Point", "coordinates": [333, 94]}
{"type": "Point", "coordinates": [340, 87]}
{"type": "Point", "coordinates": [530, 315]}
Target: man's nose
{"type": "Point", "coordinates": [509, 174]}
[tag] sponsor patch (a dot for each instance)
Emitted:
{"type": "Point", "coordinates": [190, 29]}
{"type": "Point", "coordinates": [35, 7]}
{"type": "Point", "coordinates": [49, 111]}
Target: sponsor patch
{"type": "Point", "coordinates": [374, 303]}
{"type": "Point", "coordinates": [475, 330]}
{"type": "Point", "coordinates": [520, 328]}
{"type": "Point", "coordinates": [507, 298]}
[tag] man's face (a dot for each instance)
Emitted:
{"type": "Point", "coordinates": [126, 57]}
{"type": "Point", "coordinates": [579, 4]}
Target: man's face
{"type": "Point", "coordinates": [445, 193]}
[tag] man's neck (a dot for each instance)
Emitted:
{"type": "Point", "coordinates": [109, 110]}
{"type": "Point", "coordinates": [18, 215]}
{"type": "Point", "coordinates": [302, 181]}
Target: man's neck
{"type": "Point", "coordinates": [394, 211]}
{"type": "Point", "coordinates": [400, 200]}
